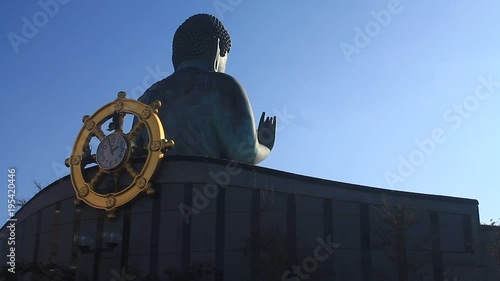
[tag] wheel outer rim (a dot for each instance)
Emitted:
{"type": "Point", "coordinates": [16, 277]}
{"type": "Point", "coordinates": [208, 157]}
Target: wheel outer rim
{"type": "Point", "coordinates": [155, 132]}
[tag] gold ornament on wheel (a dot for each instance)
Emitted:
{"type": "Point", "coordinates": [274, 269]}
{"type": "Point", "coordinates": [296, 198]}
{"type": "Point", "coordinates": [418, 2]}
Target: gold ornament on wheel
{"type": "Point", "coordinates": [115, 152]}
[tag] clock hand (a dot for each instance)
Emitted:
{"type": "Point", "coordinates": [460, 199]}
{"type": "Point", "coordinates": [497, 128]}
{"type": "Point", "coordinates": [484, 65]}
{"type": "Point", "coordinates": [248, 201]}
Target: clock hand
{"type": "Point", "coordinates": [110, 146]}
{"type": "Point", "coordinates": [113, 149]}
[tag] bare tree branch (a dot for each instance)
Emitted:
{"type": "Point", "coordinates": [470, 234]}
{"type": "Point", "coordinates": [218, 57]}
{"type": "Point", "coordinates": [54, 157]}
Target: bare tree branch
{"type": "Point", "coordinates": [38, 185]}
{"type": "Point", "coordinates": [21, 202]}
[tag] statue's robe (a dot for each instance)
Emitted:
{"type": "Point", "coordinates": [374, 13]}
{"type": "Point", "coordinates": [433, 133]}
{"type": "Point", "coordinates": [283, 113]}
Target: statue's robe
{"type": "Point", "coordinates": [206, 114]}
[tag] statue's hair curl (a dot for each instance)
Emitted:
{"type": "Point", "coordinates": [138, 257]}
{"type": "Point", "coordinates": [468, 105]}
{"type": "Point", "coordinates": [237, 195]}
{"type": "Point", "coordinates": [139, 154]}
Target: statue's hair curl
{"type": "Point", "coordinates": [194, 38]}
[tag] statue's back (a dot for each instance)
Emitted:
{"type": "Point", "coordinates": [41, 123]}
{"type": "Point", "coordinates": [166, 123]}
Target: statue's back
{"type": "Point", "coordinates": [195, 108]}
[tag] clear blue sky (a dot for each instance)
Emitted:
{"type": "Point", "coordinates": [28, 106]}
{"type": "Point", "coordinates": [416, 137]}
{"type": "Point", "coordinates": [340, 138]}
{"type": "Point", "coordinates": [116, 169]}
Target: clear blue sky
{"type": "Point", "coordinates": [343, 115]}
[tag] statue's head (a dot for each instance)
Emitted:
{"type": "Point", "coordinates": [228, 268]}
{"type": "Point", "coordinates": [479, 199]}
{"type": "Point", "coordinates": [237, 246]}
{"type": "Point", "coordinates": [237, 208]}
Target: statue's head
{"type": "Point", "coordinates": [201, 41]}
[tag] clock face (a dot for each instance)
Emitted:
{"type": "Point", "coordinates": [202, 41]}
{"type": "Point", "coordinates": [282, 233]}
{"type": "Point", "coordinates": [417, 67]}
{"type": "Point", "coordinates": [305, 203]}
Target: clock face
{"type": "Point", "coordinates": [112, 151]}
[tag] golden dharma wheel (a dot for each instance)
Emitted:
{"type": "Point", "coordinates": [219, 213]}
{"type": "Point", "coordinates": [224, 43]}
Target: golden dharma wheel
{"type": "Point", "coordinates": [115, 152]}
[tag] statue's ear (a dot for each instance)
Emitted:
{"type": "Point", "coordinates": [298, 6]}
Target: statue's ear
{"type": "Point", "coordinates": [219, 61]}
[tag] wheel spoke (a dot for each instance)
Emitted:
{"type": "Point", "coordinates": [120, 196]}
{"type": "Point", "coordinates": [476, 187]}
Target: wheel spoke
{"type": "Point", "coordinates": [131, 170]}
{"type": "Point", "coordinates": [97, 178]}
{"type": "Point", "coordinates": [116, 179]}
{"type": "Point", "coordinates": [118, 122]}
{"type": "Point", "coordinates": [135, 130]}
{"type": "Point", "coordinates": [89, 159]}
{"type": "Point", "coordinates": [122, 120]}
{"type": "Point", "coordinates": [99, 133]}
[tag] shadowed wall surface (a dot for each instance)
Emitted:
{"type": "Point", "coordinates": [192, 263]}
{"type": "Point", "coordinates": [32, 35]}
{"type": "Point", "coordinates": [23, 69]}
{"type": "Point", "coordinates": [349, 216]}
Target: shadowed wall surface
{"type": "Point", "coordinates": [254, 223]}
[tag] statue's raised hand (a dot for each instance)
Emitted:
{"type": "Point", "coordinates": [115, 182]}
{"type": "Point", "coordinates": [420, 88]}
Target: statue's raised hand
{"type": "Point", "coordinates": [266, 132]}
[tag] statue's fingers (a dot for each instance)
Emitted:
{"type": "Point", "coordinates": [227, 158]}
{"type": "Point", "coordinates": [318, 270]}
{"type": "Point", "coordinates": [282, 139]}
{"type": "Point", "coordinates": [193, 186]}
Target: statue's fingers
{"type": "Point", "coordinates": [262, 117]}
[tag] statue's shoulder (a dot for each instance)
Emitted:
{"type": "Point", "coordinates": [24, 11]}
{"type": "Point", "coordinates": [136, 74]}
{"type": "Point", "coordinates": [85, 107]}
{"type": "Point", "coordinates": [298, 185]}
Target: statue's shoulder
{"type": "Point", "coordinates": [230, 93]}
{"type": "Point", "coordinates": [227, 84]}
{"type": "Point", "coordinates": [150, 93]}
{"type": "Point", "coordinates": [223, 85]}
{"type": "Point", "coordinates": [154, 90]}
{"type": "Point", "coordinates": [226, 78]}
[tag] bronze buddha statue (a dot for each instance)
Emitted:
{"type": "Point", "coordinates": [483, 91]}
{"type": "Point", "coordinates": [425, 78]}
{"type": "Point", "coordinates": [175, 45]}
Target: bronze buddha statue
{"type": "Point", "coordinates": [205, 111]}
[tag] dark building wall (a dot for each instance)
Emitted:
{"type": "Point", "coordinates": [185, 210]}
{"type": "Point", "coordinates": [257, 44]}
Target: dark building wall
{"type": "Point", "coordinates": [255, 223]}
